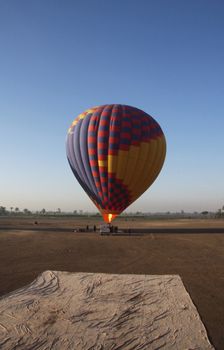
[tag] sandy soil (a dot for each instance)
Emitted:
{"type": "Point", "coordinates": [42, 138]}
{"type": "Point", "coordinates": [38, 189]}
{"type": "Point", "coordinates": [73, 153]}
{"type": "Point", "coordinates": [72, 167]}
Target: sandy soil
{"type": "Point", "coordinates": [197, 258]}
{"type": "Point", "coordinates": [83, 311]}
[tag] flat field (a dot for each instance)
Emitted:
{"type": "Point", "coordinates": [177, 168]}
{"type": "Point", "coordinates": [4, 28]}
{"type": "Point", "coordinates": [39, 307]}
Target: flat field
{"type": "Point", "coordinates": [197, 257]}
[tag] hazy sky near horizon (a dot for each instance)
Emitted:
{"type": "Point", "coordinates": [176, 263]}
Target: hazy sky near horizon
{"type": "Point", "coordinates": [59, 58]}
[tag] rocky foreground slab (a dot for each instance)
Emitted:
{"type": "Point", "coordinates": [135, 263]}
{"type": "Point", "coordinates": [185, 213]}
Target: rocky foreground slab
{"type": "Point", "coordinates": [96, 311]}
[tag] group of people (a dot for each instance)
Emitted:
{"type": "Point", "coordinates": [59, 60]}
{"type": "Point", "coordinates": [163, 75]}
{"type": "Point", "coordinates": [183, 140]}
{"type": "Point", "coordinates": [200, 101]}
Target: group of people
{"type": "Point", "coordinates": [88, 229]}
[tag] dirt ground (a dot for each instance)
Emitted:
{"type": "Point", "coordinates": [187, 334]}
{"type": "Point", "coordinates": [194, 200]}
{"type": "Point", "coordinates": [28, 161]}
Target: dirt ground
{"type": "Point", "coordinates": [197, 258]}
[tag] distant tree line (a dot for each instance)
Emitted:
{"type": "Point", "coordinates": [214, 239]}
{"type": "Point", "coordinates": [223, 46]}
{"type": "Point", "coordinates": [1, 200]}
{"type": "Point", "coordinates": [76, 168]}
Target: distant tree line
{"type": "Point", "coordinates": [15, 211]}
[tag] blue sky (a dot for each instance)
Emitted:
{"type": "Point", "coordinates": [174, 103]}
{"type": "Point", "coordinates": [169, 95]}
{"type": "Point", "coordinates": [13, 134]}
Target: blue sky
{"type": "Point", "coordinates": [59, 58]}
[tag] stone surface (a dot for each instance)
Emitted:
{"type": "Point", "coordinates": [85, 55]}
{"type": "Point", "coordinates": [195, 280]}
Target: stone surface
{"type": "Point", "coordinates": [95, 311]}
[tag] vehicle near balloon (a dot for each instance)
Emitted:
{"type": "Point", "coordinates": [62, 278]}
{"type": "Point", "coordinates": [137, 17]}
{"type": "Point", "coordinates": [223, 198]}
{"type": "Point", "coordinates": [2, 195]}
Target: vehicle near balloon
{"type": "Point", "coordinates": [105, 228]}
{"type": "Point", "coordinates": [115, 152]}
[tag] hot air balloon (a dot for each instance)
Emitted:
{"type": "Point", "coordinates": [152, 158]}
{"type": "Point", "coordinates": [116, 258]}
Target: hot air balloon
{"type": "Point", "coordinates": [115, 152]}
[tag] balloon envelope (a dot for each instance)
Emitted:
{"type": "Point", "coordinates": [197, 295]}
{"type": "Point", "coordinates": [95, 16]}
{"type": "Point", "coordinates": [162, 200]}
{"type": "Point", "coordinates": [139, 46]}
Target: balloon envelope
{"type": "Point", "coordinates": [115, 152]}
